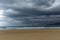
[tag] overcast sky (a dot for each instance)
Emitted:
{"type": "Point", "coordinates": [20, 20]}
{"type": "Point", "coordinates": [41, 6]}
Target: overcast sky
{"type": "Point", "coordinates": [29, 12]}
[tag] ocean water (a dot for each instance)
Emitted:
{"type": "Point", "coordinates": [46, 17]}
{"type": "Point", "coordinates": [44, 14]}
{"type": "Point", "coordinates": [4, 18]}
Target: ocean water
{"type": "Point", "coordinates": [27, 28]}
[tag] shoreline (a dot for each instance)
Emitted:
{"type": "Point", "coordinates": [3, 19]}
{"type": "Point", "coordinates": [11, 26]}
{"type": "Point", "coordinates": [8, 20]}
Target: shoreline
{"type": "Point", "coordinates": [28, 28]}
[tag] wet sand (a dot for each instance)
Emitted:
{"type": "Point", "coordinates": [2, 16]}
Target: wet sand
{"type": "Point", "coordinates": [30, 35]}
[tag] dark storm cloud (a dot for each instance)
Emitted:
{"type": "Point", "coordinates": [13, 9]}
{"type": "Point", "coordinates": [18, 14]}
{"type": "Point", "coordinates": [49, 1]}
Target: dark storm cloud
{"type": "Point", "coordinates": [24, 6]}
{"type": "Point", "coordinates": [25, 11]}
{"type": "Point", "coordinates": [28, 17]}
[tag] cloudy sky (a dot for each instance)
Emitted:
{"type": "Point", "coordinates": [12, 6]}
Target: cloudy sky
{"type": "Point", "coordinates": [29, 12]}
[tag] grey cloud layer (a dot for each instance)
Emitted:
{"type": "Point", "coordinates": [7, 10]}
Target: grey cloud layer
{"type": "Point", "coordinates": [20, 9]}
{"type": "Point", "coordinates": [26, 3]}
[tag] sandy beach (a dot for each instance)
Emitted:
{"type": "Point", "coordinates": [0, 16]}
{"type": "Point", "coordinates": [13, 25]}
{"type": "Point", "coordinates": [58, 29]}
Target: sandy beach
{"type": "Point", "coordinates": [29, 34]}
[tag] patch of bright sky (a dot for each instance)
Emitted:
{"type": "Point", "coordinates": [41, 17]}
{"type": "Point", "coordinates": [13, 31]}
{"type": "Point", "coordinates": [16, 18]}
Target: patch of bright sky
{"type": "Point", "coordinates": [6, 21]}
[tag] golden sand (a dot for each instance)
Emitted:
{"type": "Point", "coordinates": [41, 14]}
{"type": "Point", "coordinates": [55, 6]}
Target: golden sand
{"type": "Point", "coordinates": [30, 35]}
